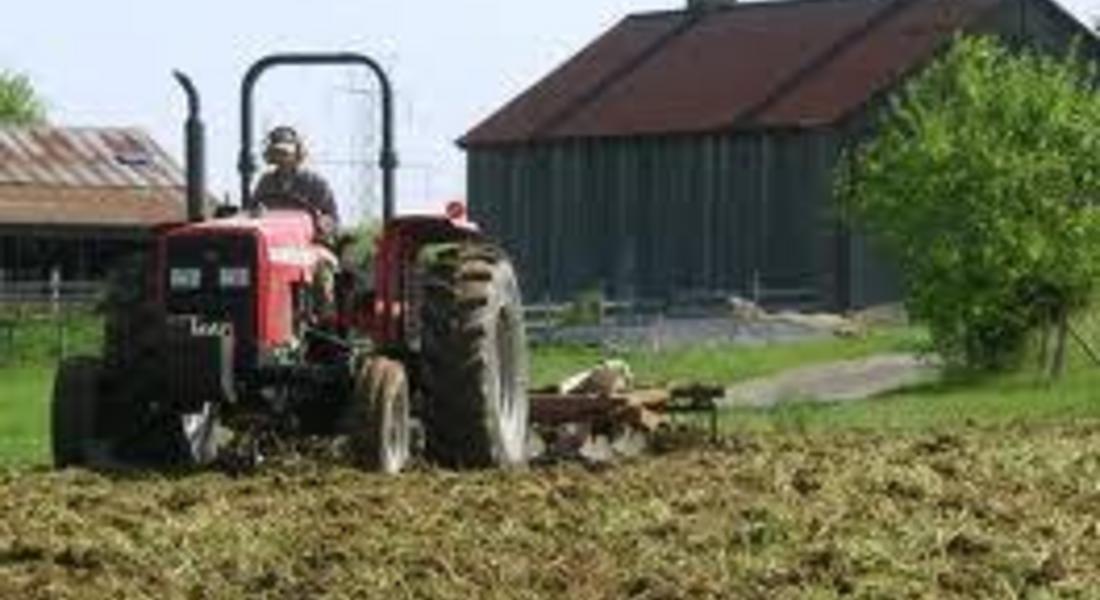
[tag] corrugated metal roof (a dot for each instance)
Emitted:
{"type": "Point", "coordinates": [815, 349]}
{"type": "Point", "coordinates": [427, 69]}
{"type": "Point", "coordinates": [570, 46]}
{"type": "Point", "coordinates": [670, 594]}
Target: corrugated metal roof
{"type": "Point", "coordinates": [873, 62]}
{"type": "Point", "coordinates": [599, 64]}
{"type": "Point", "coordinates": [88, 176]}
{"type": "Point", "coordinates": [763, 63]}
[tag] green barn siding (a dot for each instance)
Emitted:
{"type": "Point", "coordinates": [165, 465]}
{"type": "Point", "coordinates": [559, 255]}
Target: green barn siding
{"type": "Point", "coordinates": [661, 217]}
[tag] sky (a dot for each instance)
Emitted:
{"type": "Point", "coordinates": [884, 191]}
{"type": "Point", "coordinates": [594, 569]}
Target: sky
{"type": "Point", "coordinates": [453, 62]}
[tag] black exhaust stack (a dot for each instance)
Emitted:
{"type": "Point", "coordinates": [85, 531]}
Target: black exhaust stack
{"type": "Point", "coordinates": [195, 149]}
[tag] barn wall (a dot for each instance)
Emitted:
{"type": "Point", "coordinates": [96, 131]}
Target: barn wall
{"type": "Point", "coordinates": [663, 217]}
{"type": "Point", "coordinates": [29, 253]}
{"type": "Point", "coordinates": [1044, 25]}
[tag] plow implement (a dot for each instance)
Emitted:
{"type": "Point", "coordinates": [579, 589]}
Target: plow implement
{"type": "Point", "coordinates": [598, 418]}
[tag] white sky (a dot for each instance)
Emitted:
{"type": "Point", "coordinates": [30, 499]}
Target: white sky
{"type": "Point", "coordinates": [453, 62]}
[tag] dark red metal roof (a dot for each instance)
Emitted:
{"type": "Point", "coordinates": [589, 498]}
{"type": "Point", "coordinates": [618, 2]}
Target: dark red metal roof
{"type": "Point", "coordinates": [779, 63]}
{"type": "Point", "coordinates": [873, 61]}
{"type": "Point", "coordinates": [598, 64]}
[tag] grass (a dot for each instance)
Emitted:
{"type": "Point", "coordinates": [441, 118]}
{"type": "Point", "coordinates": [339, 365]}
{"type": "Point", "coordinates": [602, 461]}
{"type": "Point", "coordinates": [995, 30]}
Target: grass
{"type": "Point", "coordinates": [25, 413]}
{"type": "Point", "coordinates": [723, 363]}
{"type": "Point", "coordinates": [999, 400]}
{"type": "Point", "coordinates": [26, 379]}
{"type": "Point", "coordinates": [27, 363]}
{"type": "Point", "coordinates": [37, 337]}
{"type": "Point", "coordinates": [989, 401]}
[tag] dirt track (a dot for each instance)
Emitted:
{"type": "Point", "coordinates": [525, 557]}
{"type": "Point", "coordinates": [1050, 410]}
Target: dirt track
{"type": "Point", "coordinates": [977, 513]}
{"type": "Point", "coordinates": [836, 381]}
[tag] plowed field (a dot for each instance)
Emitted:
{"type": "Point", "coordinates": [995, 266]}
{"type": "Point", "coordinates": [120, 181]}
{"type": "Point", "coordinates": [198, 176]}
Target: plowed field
{"type": "Point", "coordinates": [1002, 512]}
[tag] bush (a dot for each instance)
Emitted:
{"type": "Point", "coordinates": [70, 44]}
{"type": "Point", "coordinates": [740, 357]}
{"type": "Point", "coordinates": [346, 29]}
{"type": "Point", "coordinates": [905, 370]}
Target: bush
{"type": "Point", "coordinates": [982, 181]}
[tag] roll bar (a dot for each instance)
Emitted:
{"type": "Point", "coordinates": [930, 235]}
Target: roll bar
{"type": "Point", "coordinates": [246, 163]}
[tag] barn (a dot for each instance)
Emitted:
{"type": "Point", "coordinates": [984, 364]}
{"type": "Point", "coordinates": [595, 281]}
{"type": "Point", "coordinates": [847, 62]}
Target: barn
{"type": "Point", "coordinates": [78, 198]}
{"type": "Point", "coordinates": [690, 152]}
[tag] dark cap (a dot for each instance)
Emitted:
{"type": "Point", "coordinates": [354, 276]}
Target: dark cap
{"type": "Point", "coordinates": [284, 138]}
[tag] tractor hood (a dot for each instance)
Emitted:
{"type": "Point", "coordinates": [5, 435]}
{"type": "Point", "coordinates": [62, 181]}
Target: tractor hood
{"type": "Point", "coordinates": [286, 237]}
{"type": "Point", "coordinates": [252, 262]}
{"type": "Point", "coordinates": [278, 227]}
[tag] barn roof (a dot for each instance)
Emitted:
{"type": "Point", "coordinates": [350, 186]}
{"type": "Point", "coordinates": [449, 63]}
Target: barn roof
{"type": "Point", "coordinates": [87, 176]}
{"type": "Point", "coordinates": [758, 64]}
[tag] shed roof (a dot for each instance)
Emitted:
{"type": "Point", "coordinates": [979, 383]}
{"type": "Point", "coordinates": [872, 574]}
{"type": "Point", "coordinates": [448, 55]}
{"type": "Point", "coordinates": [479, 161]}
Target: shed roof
{"type": "Point", "coordinates": [87, 176]}
{"type": "Point", "coordinates": [759, 64]}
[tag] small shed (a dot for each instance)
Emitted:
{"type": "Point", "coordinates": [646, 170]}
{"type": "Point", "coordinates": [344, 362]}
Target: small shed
{"type": "Point", "coordinates": [78, 198]}
{"type": "Point", "coordinates": [691, 152]}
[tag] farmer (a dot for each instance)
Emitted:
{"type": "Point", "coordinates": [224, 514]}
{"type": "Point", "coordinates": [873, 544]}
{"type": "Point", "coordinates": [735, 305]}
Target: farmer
{"type": "Point", "coordinates": [289, 185]}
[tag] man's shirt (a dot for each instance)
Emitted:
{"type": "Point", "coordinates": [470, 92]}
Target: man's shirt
{"type": "Point", "coordinates": [291, 189]}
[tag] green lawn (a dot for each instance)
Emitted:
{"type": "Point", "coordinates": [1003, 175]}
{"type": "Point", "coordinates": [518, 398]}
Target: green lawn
{"type": "Point", "coordinates": [24, 413]}
{"type": "Point", "coordinates": [27, 362]}
{"type": "Point", "coordinates": [995, 400]}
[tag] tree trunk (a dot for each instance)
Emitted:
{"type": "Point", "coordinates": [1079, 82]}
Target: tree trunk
{"type": "Point", "coordinates": [1058, 365]}
{"type": "Point", "coordinates": [1044, 346]}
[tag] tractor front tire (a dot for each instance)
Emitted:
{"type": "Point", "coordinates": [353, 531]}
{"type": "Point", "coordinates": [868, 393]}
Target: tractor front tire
{"type": "Point", "coordinates": [474, 359]}
{"type": "Point", "coordinates": [73, 411]}
{"type": "Point", "coordinates": [379, 421]}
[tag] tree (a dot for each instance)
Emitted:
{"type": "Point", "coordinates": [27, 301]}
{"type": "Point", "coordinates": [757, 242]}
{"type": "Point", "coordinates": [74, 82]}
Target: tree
{"type": "Point", "coordinates": [19, 103]}
{"type": "Point", "coordinates": [983, 180]}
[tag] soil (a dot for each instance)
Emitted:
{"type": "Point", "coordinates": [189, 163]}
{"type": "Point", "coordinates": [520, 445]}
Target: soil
{"type": "Point", "coordinates": [836, 381]}
{"type": "Point", "coordinates": [1006, 512]}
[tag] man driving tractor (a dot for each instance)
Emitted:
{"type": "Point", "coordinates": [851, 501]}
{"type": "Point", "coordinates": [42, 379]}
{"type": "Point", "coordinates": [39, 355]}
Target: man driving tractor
{"type": "Point", "coordinates": [289, 185]}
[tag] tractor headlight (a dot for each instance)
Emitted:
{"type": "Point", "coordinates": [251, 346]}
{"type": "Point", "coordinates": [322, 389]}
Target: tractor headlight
{"type": "Point", "coordinates": [234, 277]}
{"type": "Point", "coordinates": [185, 279]}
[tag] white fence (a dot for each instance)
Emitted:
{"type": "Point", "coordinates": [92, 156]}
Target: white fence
{"type": "Point", "coordinates": [54, 294]}
{"type": "Point", "coordinates": [28, 305]}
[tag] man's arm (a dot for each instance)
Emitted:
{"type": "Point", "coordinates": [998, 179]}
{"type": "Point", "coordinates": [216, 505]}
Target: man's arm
{"type": "Point", "coordinates": [323, 197]}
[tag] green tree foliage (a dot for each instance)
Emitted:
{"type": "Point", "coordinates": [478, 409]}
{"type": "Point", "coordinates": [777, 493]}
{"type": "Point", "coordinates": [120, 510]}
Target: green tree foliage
{"type": "Point", "coordinates": [19, 103]}
{"type": "Point", "coordinates": [983, 180]}
{"type": "Point", "coordinates": [356, 244]}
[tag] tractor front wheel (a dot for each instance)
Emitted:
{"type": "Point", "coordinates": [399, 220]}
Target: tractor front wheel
{"type": "Point", "coordinates": [475, 359]}
{"type": "Point", "coordinates": [379, 416]}
{"type": "Point", "coordinates": [73, 411]}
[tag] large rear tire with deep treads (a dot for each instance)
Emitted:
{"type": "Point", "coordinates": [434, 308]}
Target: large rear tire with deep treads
{"type": "Point", "coordinates": [475, 359]}
{"type": "Point", "coordinates": [73, 411]}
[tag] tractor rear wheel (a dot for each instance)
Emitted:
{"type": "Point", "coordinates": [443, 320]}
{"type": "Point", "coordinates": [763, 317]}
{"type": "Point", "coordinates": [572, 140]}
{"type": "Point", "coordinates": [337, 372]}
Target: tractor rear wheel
{"type": "Point", "coordinates": [73, 411]}
{"type": "Point", "coordinates": [475, 359]}
{"type": "Point", "coordinates": [379, 416]}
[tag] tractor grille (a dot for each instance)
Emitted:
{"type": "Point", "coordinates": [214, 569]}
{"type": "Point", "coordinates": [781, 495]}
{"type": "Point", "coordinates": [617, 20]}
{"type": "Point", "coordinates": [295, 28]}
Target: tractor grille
{"type": "Point", "coordinates": [203, 278]}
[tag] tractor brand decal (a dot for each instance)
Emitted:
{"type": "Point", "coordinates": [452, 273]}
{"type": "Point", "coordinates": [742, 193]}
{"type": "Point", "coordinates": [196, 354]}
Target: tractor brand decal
{"type": "Point", "coordinates": [298, 256]}
{"type": "Point", "coordinates": [197, 327]}
{"type": "Point", "coordinates": [215, 329]}
{"type": "Point", "coordinates": [293, 256]}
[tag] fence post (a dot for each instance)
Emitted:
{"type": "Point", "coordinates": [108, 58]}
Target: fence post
{"type": "Point", "coordinates": [58, 313]}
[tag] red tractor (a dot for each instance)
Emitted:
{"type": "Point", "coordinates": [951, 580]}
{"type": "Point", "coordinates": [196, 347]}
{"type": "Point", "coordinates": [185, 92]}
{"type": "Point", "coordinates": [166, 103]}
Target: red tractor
{"type": "Point", "coordinates": [223, 340]}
